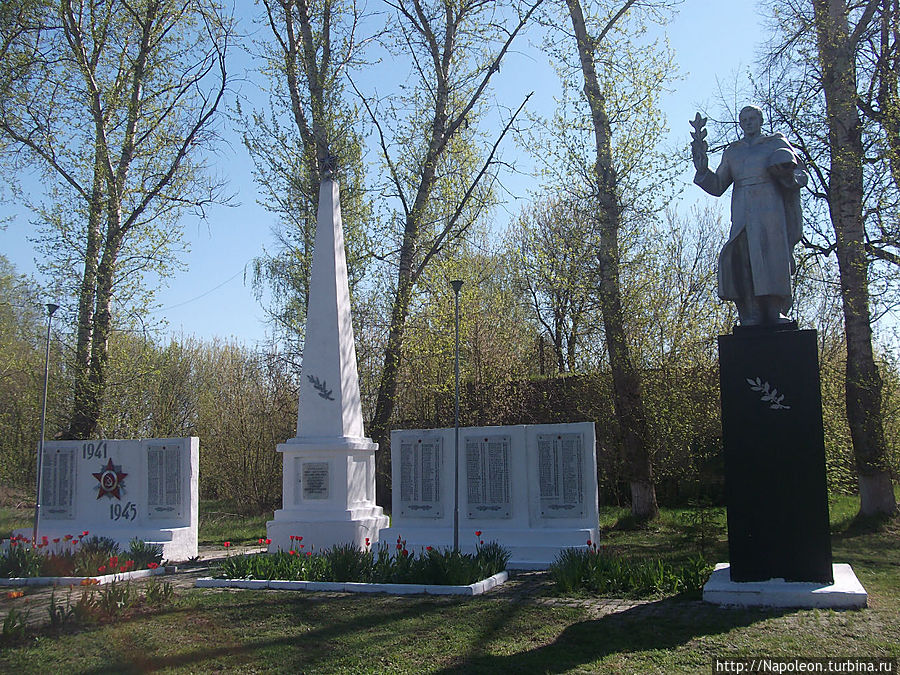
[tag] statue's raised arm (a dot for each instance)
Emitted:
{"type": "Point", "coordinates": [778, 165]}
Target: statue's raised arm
{"type": "Point", "coordinates": [756, 263]}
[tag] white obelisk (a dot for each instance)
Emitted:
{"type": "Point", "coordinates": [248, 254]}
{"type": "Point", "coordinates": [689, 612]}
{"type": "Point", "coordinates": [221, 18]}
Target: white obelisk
{"type": "Point", "coordinates": [329, 467]}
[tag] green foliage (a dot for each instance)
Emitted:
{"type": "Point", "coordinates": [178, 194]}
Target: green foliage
{"type": "Point", "coordinates": [14, 626]}
{"type": "Point", "coordinates": [20, 560]}
{"type": "Point", "coordinates": [592, 570]}
{"type": "Point", "coordinates": [104, 546]}
{"type": "Point", "coordinates": [143, 553]}
{"type": "Point", "coordinates": [23, 333]}
{"type": "Point", "coordinates": [60, 614]}
{"type": "Point", "coordinates": [347, 562]}
{"type": "Point", "coordinates": [386, 564]}
{"type": "Point", "coordinates": [158, 593]}
{"type": "Point", "coordinates": [114, 598]}
{"type": "Point", "coordinates": [701, 527]}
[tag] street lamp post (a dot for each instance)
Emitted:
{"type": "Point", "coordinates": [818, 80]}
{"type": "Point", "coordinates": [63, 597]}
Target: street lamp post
{"type": "Point", "coordinates": [51, 308]}
{"type": "Point", "coordinates": [456, 284]}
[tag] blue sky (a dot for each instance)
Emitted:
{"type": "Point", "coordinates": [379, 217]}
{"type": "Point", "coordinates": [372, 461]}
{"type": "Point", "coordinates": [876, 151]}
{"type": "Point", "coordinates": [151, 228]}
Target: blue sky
{"type": "Point", "coordinates": [713, 42]}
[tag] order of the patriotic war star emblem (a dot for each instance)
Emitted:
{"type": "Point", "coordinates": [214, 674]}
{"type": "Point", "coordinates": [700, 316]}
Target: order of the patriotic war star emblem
{"type": "Point", "coordinates": [110, 478]}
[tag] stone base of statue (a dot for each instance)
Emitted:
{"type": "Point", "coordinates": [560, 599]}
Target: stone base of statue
{"type": "Point", "coordinates": [845, 593]}
{"type": "Point", "coordinates": [775, 487]}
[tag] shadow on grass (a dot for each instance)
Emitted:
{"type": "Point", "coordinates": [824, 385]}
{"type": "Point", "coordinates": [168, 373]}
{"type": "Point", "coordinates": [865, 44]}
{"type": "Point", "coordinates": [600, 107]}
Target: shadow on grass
{"type": "Point", "coordinates": [314, 645]}
{"type": "Point", "coordinates": [666, 624]}
{"type": "Point", "coordinates": [861, 525]}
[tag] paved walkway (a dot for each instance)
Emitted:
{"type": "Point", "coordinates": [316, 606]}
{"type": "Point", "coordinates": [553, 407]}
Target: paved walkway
{"type": "Point", "coordinates": [522, 586]}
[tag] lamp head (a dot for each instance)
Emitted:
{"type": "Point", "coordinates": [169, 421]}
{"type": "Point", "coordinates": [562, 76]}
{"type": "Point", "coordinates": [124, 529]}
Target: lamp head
{"type": "Point", "coordinates": [456, 284]}
{"type": "Point", "coordinates": [51, 308]}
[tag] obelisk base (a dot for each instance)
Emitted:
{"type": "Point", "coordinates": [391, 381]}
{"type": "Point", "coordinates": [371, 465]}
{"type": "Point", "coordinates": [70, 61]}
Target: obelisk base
{"type": "Point", "coordinates": [328, 495]}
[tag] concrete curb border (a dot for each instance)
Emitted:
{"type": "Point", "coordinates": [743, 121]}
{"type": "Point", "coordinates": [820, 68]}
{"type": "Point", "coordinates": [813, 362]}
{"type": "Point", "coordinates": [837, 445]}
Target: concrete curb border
{"type": "Point", "coordinates": [477, 588]}
{"type": "Point", "coordinates": [101, 579]}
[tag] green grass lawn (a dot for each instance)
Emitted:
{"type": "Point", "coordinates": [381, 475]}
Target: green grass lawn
{"type": "Point", "coordinates": [270, 631]}
{"type": "Point", "coordinates": [220, 522]}
{"type": "Point", "coordinates": [12, 518]}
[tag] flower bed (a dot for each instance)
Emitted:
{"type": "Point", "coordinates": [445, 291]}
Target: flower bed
{"type": "Point", "coordinates": [347, 568]}
{"type": "Point", "coordinates": [595, 570]}
{"type": "Point", "coordinates": [70, 559]}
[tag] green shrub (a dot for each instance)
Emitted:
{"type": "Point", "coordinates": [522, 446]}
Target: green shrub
{"type": "Point", "coordinates": [113, 598]}
{"type": "Point", "coordinates": [593, 571]}
{"type": "Point", "coordinates": [20, 560]}
{"type": "Point", "coordinates": [347, 562]}
{"type": "Point", "coordinates": [386, 564]}
{"type": "Point", "coordinates": [158, 593]}
{"type": "Point", "coordinates": [14, 626]}
{"type": "Point", "coordinates": [143, 553]}
{"type": "Point", "coordinates": [105, 546]}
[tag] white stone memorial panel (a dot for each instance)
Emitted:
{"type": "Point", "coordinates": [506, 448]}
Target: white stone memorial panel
{"type": "Point", "coordinates": [58, 485]}
{"type": "Point", "coordinates": [421, 464]}
{"type": "Point", "coordinates": [533, 488]}
{"type": "Point", "coordinates": [123, 489]}
{"type": "Point", "coordinates": [165, 485]}
{"type": "Point", "coordinates": [561, 475]}
{"type": "Point", "coordinates": [487, 476]}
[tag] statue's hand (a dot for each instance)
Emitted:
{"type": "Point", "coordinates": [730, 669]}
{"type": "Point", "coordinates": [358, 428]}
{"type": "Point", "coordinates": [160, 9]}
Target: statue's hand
{"type": "Point", "coordinates": [698, 154]}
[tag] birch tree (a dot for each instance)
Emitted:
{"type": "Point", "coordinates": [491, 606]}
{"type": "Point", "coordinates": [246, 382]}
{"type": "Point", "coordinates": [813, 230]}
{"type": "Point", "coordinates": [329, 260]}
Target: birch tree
{"type": "Point", "coordinates": [115, 113]}
{"type": "Point", "coordinates": [436, 175]}
{"type": "Point", "coordinates": [310, 48]}
{"type": "Point", "coordinates": [830, 77]}
{"type": "Point", "coordinates": [592, 34]}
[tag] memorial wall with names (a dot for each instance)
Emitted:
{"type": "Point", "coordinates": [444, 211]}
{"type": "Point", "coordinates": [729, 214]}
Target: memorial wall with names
{"type": "Point", "coordinates": [123, 489]}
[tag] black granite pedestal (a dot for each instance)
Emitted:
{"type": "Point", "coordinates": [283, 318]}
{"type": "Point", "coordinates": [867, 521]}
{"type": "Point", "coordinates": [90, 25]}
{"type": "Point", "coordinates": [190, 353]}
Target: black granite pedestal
{"type": "Point", "coordinates": [775, 487]}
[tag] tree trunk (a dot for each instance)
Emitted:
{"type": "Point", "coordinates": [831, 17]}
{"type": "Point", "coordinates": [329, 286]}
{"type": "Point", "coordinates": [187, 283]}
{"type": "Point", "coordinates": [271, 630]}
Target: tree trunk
{"type": "Point", "coordinates": [79, 424]}
{"type": "Point", "coordinates": [627, 398]}
{"type": "Point", "coordinates": [387, 387]}
{"type": "Point", "coordinates": [863, 382]}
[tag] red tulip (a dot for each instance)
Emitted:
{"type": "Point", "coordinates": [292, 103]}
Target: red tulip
{"type": "Point", "coordinates": [477, 533]}
{"type": "Point", "coordinates": [85, 533]}
{"type": "Point", "coordinates": [101, 569]}
{"type": "Point", "coordinates": [152, 565]}
{"type": "Point", "coordinates": [292, 552]}
{"type": "Point", "coordinates": [226, 544]}
{"type": "Point", "coordinates": [588, 542]}
{"type": "Point", "coordinates": [268, 541]}
{"type": "Point", "coordinates": [427, 548]}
